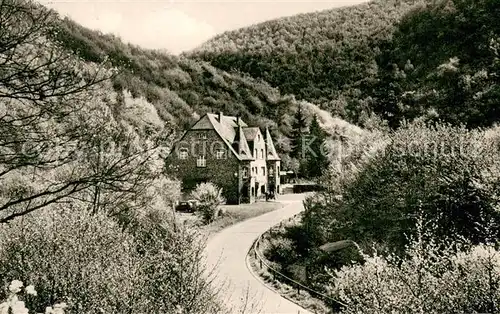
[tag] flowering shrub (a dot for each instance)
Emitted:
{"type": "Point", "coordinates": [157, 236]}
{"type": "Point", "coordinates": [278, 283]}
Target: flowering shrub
{"type": "Point", "coordinates": [210, 198]}
{"type": "Point", "coordinates": [16, 306]}
{"type": "Point", "coordinates": [95, 266]}
{"type": "Point", "coordinates": [433, 277]}
{"type": "Point", "coordinates": [450, 173]}
{"type": "Point", "coordinates": [73, 256]}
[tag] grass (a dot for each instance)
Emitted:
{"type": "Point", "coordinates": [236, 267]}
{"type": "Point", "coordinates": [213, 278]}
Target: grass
{"type": "Point", "coordinates": [237, 213]}
{"type": "Point", "coordinates": [232, 214]}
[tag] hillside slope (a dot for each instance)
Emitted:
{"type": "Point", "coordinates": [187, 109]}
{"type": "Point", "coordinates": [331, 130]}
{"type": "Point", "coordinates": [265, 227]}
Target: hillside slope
{"type": "Point", "coordinates": [400, 59]}
{"type": "Point", "coordinates": [181, 89]}
{"type": "Point", "coordinates": [323, 57]}
{"type": "Point", "coordinates": [442, 64]}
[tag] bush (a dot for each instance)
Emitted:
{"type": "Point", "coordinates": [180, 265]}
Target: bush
{"type": "Point", "coordinates": [282, 251]}
{"type": "Point", "coordinates": [448, 172]}
{"type": "Point", "coordinates": [172, 262]}
{"type": "Point", "coordinates": [93, 265]}
{"type": "Point", "coordinates": [374, 195]}
{"type": "Point", "coordinates": [434, 277]}
{"type": "Point", "coordinates": [210, 198]}
{"type": "Point", "coordinates": [14, 305]}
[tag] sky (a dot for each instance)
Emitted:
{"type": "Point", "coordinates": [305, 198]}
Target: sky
{"type": "Point", "coordinates": [176, 25]}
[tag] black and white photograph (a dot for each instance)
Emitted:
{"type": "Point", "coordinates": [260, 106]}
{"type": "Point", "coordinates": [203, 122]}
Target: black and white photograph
{"type": "Point", "coordinates": [249, 156]}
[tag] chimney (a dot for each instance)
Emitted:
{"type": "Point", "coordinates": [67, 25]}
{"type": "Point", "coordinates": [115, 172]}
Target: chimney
{"type": "Point", "coordinates": [220, 116]}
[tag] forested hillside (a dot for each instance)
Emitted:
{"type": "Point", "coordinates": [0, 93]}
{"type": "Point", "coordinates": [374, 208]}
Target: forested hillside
{"type": "Point", "coordinates": [181, 89]}
{"type": "Point", "coordinates": [400, 59]}
{"type": "Point", "coordinates": [324, 57]}
{"type": "Point", "coordinates": [442, 64]}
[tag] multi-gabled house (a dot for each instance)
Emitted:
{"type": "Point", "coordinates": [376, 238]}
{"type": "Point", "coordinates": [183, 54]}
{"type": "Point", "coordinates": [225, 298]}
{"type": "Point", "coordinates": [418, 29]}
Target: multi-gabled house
{"type": "Point", "coordinates": [226, 151]}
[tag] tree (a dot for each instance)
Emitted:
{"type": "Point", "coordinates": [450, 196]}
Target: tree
{"type": "Point", "coordinates": [317, 160]}
{"type": "Point", "coordinates": [298, 127]}
{"type": "Point", "coordinates": [59, 138]}
{"type": "Point", "coordinates": [449, 173]}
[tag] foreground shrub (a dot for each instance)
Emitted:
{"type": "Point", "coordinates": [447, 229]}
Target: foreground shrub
{"type": "Point", "coordinates": [93, 265]}
{"type": "Point", "coordinates": [281, 251]}
{"type": "Point", "coordinates": [14, 305]}
{"type": "Point", "coordinates": [450, 173]}
{"type": "Point", "coordinates": [374, 195]}
{"type": "Point", "coordinates": [209, 197]}
{"type": "Point", "coordinates": [433, 277]}
{"type": "Point", "coordinates": [71, 256]}
{"type": "Point", "coordinates": [172, 263]}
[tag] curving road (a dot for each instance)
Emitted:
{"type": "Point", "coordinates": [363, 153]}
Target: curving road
{"type": "Point", "coordinates": [226, 254]}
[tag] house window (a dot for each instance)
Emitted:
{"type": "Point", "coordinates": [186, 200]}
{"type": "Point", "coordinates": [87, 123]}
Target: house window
{"type": "Point", "coordinates": [220, 154]}
{"type": "Point", "coordinates": [183, 154]}
{"type": "Point", "coordinates": [202, 136]}
{"type": "Point", "coordinates": [245, 172]}
{"type": "Point", "coordinates": [271, 171]}
{"type": "Point", "coordinates": [261, 154]}
{"type": "Point", "coordinates": [201, 161]}
{"type": "Point", "coordinates": [263, 171]}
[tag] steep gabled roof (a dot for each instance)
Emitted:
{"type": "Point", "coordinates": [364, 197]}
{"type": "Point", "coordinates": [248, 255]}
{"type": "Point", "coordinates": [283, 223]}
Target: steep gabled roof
{"type": "Point", "coordinates": [230, 132]}
{"type": "Point", "coordinates": [251, 133]}
{"type": "Point", "coordinates": [271, 150]}
{"type": "Point", "coordinates": [242, 144]}
{"type": "Point", "coordinates": [225, 129]}
{"type": "Point", "coordinates": [236, 134]}
{"type": "Point", "coordinates": [205, 123]}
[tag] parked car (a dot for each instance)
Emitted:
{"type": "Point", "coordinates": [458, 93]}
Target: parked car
{"type": "Point", "coordinates": [188, 206]}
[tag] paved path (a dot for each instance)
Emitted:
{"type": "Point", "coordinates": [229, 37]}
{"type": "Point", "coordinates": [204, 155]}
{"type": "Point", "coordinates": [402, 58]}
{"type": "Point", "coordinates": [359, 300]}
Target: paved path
{"type": "Point", "coordinates": [226, 253]}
